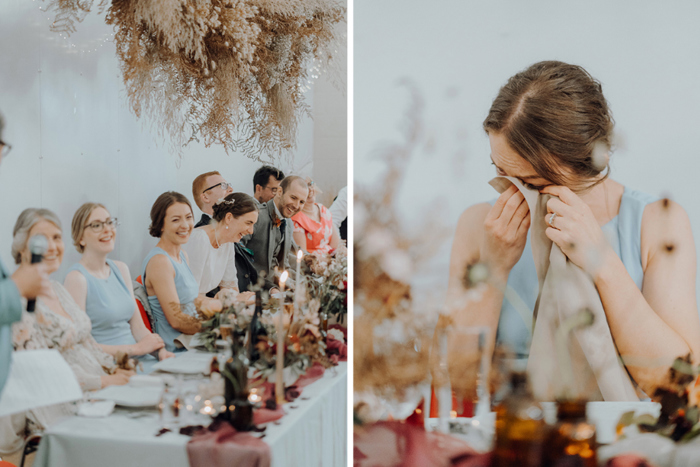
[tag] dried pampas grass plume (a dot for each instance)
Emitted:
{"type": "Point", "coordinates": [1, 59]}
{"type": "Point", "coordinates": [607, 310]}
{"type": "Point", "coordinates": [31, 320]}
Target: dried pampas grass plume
{"type": "Point", "coordinates": [230, 72]}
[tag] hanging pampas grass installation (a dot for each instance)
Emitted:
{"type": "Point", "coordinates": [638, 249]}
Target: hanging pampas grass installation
{"type": "Point", "coordinates": [227, 72]}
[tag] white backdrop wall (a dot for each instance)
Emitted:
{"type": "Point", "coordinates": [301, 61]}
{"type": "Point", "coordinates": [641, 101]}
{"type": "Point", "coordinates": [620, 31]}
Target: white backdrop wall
{"type": "Point", "coordinates": [458, 54]}
{"type": "Point", "coordinates": [75, 139]}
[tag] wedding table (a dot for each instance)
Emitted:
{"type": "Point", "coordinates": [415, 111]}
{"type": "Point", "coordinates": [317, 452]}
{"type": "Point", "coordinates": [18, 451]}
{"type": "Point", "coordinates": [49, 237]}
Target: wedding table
{"type": "Point", "coordinates": [312, 433]}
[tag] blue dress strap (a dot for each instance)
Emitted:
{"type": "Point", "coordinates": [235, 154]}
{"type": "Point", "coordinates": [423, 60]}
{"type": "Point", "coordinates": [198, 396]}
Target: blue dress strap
{"type": "Point", "coordinates": [630, 231]}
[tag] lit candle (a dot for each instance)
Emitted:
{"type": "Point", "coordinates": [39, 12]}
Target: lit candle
{"type": "Point", "coordinates": [300, 254]}
{"type": "Point", "coordinates": [279, 384]}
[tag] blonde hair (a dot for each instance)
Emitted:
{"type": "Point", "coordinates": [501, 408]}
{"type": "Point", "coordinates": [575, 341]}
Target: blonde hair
{"type": "Point", "coordinates": [80, 217]}
{"type": "Point", "coordinates": [26, 220]}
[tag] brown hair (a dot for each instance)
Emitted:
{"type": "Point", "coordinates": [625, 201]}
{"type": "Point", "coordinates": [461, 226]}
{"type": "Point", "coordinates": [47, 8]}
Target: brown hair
{"type": "Point", "coordinates": [553, 115]}
{"type": "Point", "coordinates": [159, 208]}
{"type": "Point", "coordinates": [235, 203]}
{"type": "Point", "coordinates": [77, 226]}
{"type": "Point", "coordinates": [199, 185]}
{"type": "Point", "coordinates": [287, 182]}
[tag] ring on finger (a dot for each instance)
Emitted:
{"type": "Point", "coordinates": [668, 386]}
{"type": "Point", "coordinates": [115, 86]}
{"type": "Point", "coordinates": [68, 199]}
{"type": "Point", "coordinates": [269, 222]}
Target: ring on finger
{"type": "Point", "coordinates": [551, 219]}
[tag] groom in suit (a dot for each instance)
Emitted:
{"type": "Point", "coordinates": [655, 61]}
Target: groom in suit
{"type": "Point", "coordinates": [272, 239]}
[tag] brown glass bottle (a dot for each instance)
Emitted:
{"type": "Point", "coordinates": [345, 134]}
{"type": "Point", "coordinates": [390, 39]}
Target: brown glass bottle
{"type": "Point", "coordinates": [239, 410]}
{"type": "Point", "coordinates": [520, 427]}
{"type": "Point", "coordinates": [572, 441]}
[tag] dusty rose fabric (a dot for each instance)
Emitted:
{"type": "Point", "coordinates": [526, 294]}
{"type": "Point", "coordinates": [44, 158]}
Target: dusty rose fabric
{"type": "Point", "coordinates": [222, 447]}
{"type": "Point", "coordinates": [312, 374]}
{"type": "Point", "coordinates": [564, 291]}
{"type": "Point", "coordinates": [628, 460]}
{"type": "Point", "coordinates": [389, 444]}
{"type": "Point", "coordinates": [335, 347]}
{"type": "Point", "coordinates": [266, 415]}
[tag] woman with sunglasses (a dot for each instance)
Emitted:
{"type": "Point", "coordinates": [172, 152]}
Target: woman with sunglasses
{"type": "Point", "coordinates": [101, 287]}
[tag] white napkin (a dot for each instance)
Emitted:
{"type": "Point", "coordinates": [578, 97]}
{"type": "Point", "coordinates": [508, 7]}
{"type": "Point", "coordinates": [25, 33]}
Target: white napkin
{"type": "Point", "coordinates": [564, 291]}
{"type": "Point", "coordinates": [96, 409]}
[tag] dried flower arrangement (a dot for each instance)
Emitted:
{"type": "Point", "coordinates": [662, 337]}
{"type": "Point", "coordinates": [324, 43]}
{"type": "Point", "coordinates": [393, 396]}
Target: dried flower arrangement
{"type": "Point", "coordinates": [304, 343]}
{"type": "Point", "coordinates": [391, 337]}
{"type": "Point", "coordinates": [328, 281]}
{"type": "Point", "coordinates": [679, 418]}
{"type": "Point", "coordinates": [228, 71]}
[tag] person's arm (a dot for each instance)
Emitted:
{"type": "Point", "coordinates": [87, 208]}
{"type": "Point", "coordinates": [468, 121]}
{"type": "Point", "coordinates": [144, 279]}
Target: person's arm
{"type": "Point", "coordinates": [146, 341]}
{"type": "Point", "coordinates": [300, 238]}
{"type": "Point", "coordinates": [76, 285]}
{"type": "Point", "coordinates": [653, 326]}
{"type": "Point", "coordinates": [494, 236]}
{"type": "Point", "coordinates": [28, 281]}
{"type": "Point", "coordinates": [160, 277]}
{"type": "Point", "coordinates": [10, 302]}
{"type": "Point", "coordinates": [339, 208]}
{"type": "Point", "coordinates": [335, 238]}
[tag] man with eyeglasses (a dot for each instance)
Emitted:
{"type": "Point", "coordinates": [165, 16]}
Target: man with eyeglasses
{"type": "Point", "coordinates": [28, 281]}
{"type": "Point", "coordinates": [207, 189]}
{"type": "Point", "coordinates": [266, 183]}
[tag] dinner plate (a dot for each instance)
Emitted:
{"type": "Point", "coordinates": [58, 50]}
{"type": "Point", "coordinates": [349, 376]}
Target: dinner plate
{"type": "Point", "coordinates": [129, 396]}
{"type": "Point", "coordinates": [189, 363]}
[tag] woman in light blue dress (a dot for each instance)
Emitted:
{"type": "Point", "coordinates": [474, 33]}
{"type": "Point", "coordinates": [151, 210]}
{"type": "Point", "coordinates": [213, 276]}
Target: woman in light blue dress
{"type": "Point", "coordinates": [101, 288]}
{"type": "Point", "coordinates": [167, 277]}
{"type": "Point", "coordinates": [550, 127]}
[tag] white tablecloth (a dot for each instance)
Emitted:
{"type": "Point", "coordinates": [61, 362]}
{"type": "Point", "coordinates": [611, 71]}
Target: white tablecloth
{"type": "Point", "coordinates": [312, 434]}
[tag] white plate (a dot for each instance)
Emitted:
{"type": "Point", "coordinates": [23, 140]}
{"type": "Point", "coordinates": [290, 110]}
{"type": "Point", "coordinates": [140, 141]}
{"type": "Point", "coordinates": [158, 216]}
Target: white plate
{"type": "Point", "coordinates": [129, 396]}
{"type": "Point", "coordinates": [189, 363]}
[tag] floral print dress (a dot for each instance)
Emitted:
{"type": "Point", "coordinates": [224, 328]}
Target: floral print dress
{"type": "Point", "coordinates": [45, 329]}
{"type": "Point", "coordinates": [318, 234]}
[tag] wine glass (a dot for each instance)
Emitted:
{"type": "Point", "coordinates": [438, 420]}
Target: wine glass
{"type": "Point", "coordinates": [460, 371]}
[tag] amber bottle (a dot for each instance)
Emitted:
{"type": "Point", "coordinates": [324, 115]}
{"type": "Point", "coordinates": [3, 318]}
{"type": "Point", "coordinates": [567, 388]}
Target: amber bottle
{"type": "Point", "coordinates": [520, 427]}
{"type": "Point", "coordinates": [572, 441]}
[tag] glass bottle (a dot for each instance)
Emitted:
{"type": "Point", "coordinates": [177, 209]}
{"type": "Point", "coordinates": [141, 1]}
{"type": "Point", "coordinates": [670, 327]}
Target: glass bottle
{"type": "Point", "coordinates": [572, 441]}
{"type": "Point", "coordinates": [255, 328]}
{"type": "Point", "coordinates": [520, 427]}
{"type": "Point", "coordinates": [169, 407]}
{"type": "Point", "coordinates": [239, 410]}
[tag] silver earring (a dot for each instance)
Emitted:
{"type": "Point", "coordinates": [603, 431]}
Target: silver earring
{"type": "Point", "coordinates": [227, 227]}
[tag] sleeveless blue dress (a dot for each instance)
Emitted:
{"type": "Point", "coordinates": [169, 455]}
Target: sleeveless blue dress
{"type": "Point", "coordinates": [623, 233]}
{"type": "Point", "coordinates": [187, 291]}
{"type": "Point", "coordinates": [109, 306]}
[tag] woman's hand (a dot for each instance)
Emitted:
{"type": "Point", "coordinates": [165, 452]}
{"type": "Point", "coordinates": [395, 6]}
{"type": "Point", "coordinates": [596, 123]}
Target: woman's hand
{"type": "Point", "coordinates": [505, 232]}
{"type": "Point", "coordinates": [149, 343]}
{"type": "Point", "coordinates": [575, 229]}
{"type": "Point", "coordinates": [163, 354]}
{"type": "Point", "coordinates": [119, 378]}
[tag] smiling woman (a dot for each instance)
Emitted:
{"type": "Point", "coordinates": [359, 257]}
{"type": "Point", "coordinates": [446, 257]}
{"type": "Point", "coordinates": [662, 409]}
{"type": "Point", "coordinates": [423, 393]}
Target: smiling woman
{"type": "Point", "coordinates": [211, 250]}
{"type": "Point", "coordinates": [551, 128]}
{"type": "Point", "coordinates": [102, 287]}
{"type": "Point", "coordinates": [167, 277]}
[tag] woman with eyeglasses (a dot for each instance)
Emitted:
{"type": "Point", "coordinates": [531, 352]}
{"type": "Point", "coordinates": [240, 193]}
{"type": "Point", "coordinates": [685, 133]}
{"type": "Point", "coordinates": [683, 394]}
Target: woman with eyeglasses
{"type": "Point", "coordinates": [313, 225]}
{"type": "Point", "coordinates": [101, 287]}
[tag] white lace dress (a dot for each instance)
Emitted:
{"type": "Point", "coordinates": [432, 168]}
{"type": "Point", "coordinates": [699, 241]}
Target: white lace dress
{"type": "Point", "coordinates": [45, 329]}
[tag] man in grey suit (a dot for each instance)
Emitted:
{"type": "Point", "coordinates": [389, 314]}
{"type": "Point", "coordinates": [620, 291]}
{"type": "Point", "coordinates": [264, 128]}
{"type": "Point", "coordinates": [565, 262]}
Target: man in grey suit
{"type": "Point", "coordinates": [272, 239]}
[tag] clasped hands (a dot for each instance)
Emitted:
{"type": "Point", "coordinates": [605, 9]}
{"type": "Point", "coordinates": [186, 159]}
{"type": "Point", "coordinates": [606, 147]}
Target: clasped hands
{"type": "Point", "coordinates": [574, 229]}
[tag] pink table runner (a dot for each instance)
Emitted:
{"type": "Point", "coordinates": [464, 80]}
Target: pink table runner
{"type": "Point", "coordinates": [217, 448]}
{"type": "Point", "coordinates": [389, 444]}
